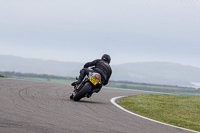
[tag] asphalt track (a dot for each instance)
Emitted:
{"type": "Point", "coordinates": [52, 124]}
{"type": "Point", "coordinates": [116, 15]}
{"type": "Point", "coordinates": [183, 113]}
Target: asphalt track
{"type": "Point", "coordinates": [43, 107]}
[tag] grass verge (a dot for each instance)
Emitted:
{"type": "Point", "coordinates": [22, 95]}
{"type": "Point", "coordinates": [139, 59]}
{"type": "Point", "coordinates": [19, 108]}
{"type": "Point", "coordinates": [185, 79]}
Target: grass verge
{"type": "Point", "coordinates": [178, 110]}
{"type": "Point", "coordinates": [1, 76]}
{"type": "Point", "coordinates": [155, 88]}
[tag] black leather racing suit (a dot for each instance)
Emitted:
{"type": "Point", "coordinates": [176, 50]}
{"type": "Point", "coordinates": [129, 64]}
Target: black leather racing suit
{"type": "Point", "coordinates": [101, 67]}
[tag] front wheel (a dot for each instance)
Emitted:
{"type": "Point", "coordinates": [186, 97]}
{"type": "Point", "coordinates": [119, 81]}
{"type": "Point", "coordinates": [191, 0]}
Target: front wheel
{"type": "Point", "coordinates": [82, 93]}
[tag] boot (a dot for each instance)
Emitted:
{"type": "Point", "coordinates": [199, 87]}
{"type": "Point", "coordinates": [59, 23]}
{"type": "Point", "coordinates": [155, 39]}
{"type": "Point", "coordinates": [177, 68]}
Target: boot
{"type": "Point", "coordinates": [81, 76]}
{"type": "Point", "coordinates": [75, 83]}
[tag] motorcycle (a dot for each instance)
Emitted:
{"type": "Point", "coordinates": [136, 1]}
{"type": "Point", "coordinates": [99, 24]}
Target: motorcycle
{"type": "Point", "coordinates": [87, 86]}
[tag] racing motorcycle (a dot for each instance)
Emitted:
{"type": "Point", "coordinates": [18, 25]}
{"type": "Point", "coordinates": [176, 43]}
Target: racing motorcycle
{"type": "Point", "coordinates": [87, 86]}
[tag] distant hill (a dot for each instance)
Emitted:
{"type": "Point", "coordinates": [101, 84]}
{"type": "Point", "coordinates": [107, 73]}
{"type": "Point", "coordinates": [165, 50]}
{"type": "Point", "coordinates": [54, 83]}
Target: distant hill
{"type": "Point", "coordinates": [147, 72]}
{"type": "Point", "coordinates": [28, 65]}
{"type": "Point", "coordinates": [158, 73]}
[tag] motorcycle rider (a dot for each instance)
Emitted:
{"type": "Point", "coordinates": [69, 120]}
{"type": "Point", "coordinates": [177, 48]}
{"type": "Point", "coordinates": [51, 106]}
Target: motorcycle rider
{"type": "Point", "coordinates": [99, 65]}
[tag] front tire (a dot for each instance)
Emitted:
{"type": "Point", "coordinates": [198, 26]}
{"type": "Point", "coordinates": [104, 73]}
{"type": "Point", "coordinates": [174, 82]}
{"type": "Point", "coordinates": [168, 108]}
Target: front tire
{"type": "Point", "coordinates": [82, 93]}
{"type": "Point", "coordinates": [72, 96]}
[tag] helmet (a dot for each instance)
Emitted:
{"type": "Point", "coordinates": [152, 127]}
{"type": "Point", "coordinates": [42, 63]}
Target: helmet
{"type": "Point", "coordinates": [106, 58]}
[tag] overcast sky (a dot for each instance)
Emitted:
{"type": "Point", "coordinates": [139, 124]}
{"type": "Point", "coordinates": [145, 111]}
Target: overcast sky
{"type": "Point", "coordinates": [83, 30]}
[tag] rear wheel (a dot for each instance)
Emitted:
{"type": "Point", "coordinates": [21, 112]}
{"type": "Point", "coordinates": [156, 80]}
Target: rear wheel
{"type": "Point", "coordinates": [82, 93]}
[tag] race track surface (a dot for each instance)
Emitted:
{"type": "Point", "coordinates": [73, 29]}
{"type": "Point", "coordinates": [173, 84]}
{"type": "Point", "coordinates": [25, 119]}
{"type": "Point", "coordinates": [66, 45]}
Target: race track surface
{"type": "Point", "coordinates": [43, 107]}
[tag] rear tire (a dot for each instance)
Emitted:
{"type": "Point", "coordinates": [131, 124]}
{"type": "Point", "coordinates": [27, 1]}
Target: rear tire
{"type": "Point", "coordinates": [82, 93]}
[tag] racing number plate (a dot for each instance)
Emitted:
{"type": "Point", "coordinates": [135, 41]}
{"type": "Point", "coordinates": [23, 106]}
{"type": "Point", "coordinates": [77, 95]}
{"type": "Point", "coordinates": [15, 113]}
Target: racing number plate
{"type": "Point", "coordinates": [94, 80]}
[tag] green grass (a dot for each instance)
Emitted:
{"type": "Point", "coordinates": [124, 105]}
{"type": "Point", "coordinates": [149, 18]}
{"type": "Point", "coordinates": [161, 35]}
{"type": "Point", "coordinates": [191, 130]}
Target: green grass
{"type": "Point", "coordinates": [156, 88]}
{"type": "Point", "coordinates": [1, 76]}
{"type": "Point", "coordinates": [178, 110]}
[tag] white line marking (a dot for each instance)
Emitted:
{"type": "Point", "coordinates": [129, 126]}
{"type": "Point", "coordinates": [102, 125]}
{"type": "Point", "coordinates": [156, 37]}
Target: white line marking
{"type": "Point", "coordinates": [117, 105]}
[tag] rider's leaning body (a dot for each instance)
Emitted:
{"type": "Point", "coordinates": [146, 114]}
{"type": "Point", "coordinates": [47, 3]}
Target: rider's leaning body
{"type": "Point", "coordinates": [99, 65]}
